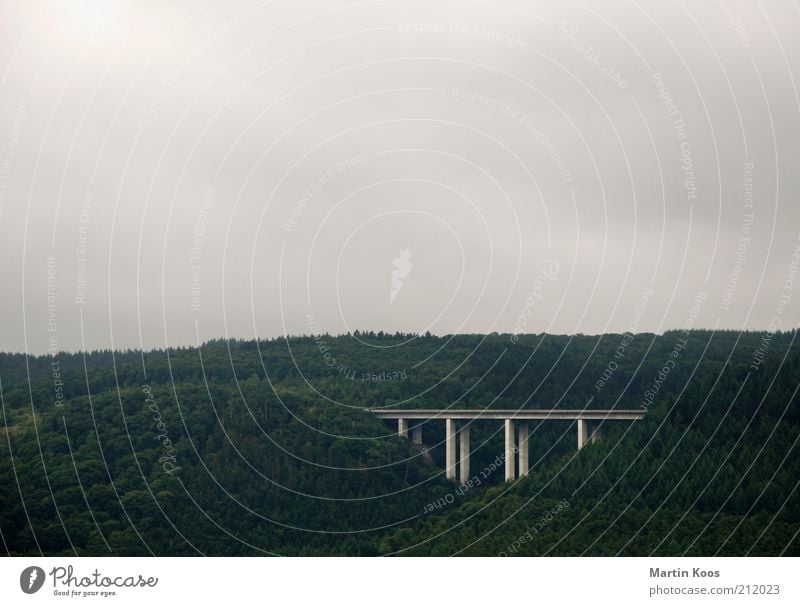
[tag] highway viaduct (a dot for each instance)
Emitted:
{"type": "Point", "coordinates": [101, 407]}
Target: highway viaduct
{"type": "Point", "coordinates": [516, 431]}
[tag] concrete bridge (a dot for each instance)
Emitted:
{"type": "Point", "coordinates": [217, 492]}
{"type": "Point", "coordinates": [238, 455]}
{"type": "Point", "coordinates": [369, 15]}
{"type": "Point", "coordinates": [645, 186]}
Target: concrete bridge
{"type": "Point", "coordinates": [516, 431]}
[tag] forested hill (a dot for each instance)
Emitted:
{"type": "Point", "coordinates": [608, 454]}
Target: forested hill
{"type": "Point", "coordinates": [245, 447]}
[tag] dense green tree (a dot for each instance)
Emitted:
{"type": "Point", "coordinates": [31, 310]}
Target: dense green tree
{"type": "Point", "coordinates": [245, 447]}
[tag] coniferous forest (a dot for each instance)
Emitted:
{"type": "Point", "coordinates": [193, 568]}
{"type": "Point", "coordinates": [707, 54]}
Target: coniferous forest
{"type": "Point", "coordinates": [266, 447]}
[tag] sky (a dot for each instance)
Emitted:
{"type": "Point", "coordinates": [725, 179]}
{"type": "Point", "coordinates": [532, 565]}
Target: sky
{"type": "Point", "coordinates": [174, 172]}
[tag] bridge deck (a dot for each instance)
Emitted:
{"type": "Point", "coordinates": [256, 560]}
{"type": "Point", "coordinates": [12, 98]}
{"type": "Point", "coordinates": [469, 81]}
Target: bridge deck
{"type": "Point", "coordinates": [500, 414]}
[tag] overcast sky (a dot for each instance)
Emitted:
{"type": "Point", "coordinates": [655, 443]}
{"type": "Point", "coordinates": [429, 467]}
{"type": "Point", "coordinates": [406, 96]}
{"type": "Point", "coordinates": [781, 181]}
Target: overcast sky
{"type": "Point", "coordinates": [172, 172]}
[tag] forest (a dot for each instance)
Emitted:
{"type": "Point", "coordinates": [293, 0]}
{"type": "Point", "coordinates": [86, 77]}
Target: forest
{"type": "Point", "coordinates": [266, 447]}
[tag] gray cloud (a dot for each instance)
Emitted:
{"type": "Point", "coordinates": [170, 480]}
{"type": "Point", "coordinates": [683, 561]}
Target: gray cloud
{"type": "Point", "coordinates": [198, 172]}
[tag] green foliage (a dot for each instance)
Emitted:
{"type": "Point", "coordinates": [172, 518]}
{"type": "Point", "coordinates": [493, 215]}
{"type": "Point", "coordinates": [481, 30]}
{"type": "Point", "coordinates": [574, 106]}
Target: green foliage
{"type": "Point", "coordinates": [243, 447]}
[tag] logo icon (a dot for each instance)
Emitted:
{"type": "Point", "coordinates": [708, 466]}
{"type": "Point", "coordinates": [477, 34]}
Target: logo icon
{"type": "Point", "coordinates": [31, 579]}
{"type": "Point", "coordinates": [403, 267]}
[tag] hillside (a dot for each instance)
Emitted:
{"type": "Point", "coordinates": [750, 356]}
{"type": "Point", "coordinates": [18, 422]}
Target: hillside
{"type": "Point", "coordinates": [244, 447]}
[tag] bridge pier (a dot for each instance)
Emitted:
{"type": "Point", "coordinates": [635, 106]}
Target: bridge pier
{"type": "Point", "coordinates": [463, 438]}
{"type": "Point", "coordinates": [588, 431]}
{"type": "Point", "coordinates": [522, 449]}
{"type": "Point", "coordinates": [594, 436]}
{"type": "Point", "coordinates": [588, 421]}
{"type": "Point", "coordinates": [582, 432]}
{"type": "Point", "coordinates": [510, 448]}
{"type": "Point", "coordinates": [450, 448]}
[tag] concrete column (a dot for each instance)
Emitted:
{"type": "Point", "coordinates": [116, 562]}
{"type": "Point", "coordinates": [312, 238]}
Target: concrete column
{"type": "Point", "coordinates": [522, 448]}
{"type": "Point", "coordinates": [582, 433]}
{"type": "Point", "coordinates": [402, 428]}
{"type": "Point", "coordinates": [510, 448]}
{"type": "Point", "coordinates": [595, 433]}
{"type": "Point", "coordinates": [450, 448]}
{"type": "Point", "coordinates": [463, 437]}
{"type": "Point", "coordinates": [416, 434]}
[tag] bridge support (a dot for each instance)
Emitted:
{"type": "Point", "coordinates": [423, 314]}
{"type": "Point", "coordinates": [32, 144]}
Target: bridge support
{"type": "Point", "coordinates": [450, 448]}
{"type": "Point", "coordinates": [510, 450]}
{"type": "Point", "coordinates": [582, 432]}
{"type": "Point", "coordinates": [588, 431]}
{"type": "Point", "coordinates": [463, 437]}
{"type": "Point", "coordinates": [594, 436]}
{"type": "Point", "coordinates": [522, 449]}
{"type": "Point", "coordinates": [588, 425]}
